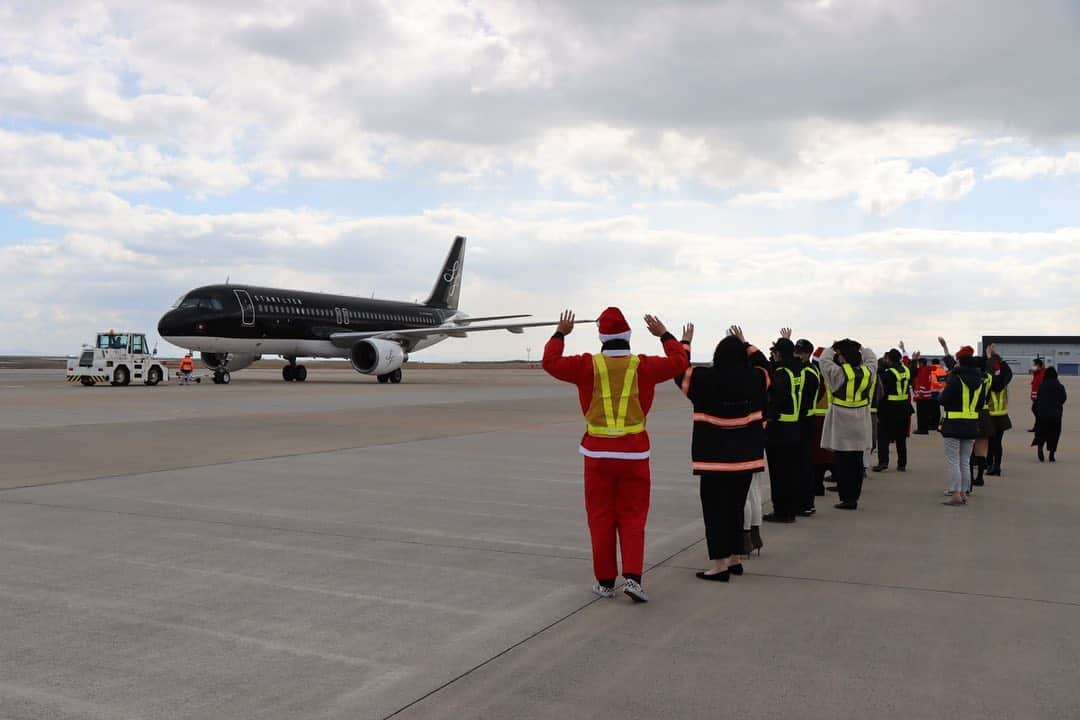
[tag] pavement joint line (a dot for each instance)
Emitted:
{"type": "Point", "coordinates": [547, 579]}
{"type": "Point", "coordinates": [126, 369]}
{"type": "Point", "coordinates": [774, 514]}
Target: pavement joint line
{"type": "Point", "coordinates": [224, 463]}
{"type": "Point", "coordinates": [912, 588]}
{"type": "Point", "coordinates": [298, 531]}
{"type": "Point", "coordinates": [527, 639]}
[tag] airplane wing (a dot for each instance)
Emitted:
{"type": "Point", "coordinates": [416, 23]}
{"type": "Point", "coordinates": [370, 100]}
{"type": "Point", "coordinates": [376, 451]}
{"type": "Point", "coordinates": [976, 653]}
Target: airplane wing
{"type": "Point", "coordinates": [348, 338]}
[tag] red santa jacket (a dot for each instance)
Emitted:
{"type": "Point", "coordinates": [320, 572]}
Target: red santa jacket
{"type": "Point", "coordinates": [652, 370]}
{"type": "Point", "coordinates": [1036, 381]}
{"type": "Point", "coordinates": [923, 381]}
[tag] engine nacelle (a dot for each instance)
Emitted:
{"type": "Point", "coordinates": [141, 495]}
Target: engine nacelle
{"type": "Point", "coordinates": [228, 361]}
{"type": "Point", "coordinates": [377, 357]}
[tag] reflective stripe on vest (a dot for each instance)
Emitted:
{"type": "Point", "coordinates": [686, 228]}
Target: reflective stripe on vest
{"type": "Point", "coordinates": [848, 395]}
{"type": "Point", "coordinates": [903, 382]}
{"type": "Point", "coordinates": [999, 402]}
{"type": "Point", "coordinates": [823, 399]}
{"type": "Point", "coordinates": [615, 425]}
{"type": "Point", "coordinates": [970, 409]}
{"type": "Point", "coordinates": [796, 397]}
{"type": "Point", "coordinates": [987, 382]}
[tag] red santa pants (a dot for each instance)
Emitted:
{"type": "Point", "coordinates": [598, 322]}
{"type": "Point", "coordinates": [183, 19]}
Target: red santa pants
{"type": "Point", "coordinates": [617, 504]}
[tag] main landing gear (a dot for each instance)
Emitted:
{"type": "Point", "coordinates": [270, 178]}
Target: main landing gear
{"type": "Point", "coordinates": [293, 372]}
{"type": "Point", "coordinates": [394, 377]}
{"type": "Point", "coordinates": [222, 377]}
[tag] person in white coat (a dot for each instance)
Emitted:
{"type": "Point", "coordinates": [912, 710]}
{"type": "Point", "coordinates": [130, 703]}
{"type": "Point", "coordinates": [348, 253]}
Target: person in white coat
{"type": "Point", "coordinates": [848, 371]}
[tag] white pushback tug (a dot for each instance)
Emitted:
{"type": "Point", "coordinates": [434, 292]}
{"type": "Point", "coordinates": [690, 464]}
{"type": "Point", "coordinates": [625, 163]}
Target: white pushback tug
{"type": "Point", "coordinates": [118, 358]}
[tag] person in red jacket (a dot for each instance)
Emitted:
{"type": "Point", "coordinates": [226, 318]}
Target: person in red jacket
{"type": "Point", "coordinates": [1038, 372]}
{"type": "Point", "coordinates": [616, 391]}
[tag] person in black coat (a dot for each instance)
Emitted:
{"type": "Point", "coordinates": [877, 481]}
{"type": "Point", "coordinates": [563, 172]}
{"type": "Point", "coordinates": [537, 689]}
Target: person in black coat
{"type": "Point", "coordinates": [808, 423]}
{"type": "Point", "coordinates": [728, 447]}
{"type": "Point", "coordinates": [1002, 375]}
{"type": "Point", "coordinates": [894, 411]}
{"type": "Point", "coordinates": [783, 434]}
{"type": "Point", "coordinates": [1049, 407]}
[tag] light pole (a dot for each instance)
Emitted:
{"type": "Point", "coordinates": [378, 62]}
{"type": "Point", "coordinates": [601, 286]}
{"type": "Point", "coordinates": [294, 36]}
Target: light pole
{"type": "Point", "coordinates": [528, 356]}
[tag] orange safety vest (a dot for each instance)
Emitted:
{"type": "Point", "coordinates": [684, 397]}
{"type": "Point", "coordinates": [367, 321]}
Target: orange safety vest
{"type": "Point", "coordinates": [614, 415]}
{"type": "Point", "coordinates": [186, 365]}
{"type": "Point", "coordinates": [937, 378]}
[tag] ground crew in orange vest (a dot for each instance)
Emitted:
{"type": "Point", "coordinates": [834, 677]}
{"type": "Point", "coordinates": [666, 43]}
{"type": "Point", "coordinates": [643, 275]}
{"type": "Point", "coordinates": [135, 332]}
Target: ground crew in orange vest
{"type": "Point", "coordinates": [616, 391]}
{"type": "Point", "coordinates": [939, 374]}
{"type": "Point", "coordinates": [187, 366]}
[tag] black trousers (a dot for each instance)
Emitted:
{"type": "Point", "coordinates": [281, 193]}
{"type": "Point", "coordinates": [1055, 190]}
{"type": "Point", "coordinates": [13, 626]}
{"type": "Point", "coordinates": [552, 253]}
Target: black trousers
{"type": "Point", "coordinates": [785, 478]}
{"type": "Point", "coordinates": [808, 482]}
{"type": "Point", "coordinates": [997, 450]}
{"type": "Point", "coordinates": [1048, 432]}
{"type": "Point", "coordinates": [723, 496]}
{"type": "Point", "coordinates": [848, 471]}
{"type": "Point", "coordinates": [924, 415]}
{"type": "Point", "coordinates": [935, 411]}
{"type": "Point", "coordinates": [884, 437]}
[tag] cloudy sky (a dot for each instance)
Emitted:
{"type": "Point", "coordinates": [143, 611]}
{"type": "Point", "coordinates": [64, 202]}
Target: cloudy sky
{"type": "Point", "coordinates": [872, 168]}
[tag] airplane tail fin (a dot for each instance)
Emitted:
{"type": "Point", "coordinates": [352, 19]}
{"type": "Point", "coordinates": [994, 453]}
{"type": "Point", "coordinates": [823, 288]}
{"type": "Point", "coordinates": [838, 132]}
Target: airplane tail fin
{"type": "Point", "coordinates": [447, 288]}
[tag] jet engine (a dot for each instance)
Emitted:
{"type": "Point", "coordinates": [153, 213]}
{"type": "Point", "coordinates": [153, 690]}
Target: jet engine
{"type": "Point", "coordinates": [228, 361]}
{"type": "Point", "coordinates": [377, 357]}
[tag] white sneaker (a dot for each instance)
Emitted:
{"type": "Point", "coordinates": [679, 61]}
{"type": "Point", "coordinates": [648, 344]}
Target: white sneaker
{"type": "Point", "coordinates": [604, 592]}
{"type": "Point", "coordinates": [635, 592]}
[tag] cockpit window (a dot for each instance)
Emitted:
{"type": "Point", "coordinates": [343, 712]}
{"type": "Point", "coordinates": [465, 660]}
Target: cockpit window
{"type": "Point", "coordinates": [202, 303]}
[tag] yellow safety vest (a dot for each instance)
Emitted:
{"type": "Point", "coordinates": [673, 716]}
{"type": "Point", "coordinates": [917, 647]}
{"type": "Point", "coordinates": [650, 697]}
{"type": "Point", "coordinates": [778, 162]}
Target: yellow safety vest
{"type": "Point", "coordinates": [903, 382]}
{"type": "Point", "coordinates": [821, 400]}
{"type": "Point", "coordinates": [970, 403]}
{"type": "Point", "coordinates": [850, 396]}
{"type": "Point", "coordinates": [796, 397]}
{"type": "Point", "coordinates": [601, 419]}
{"type": "Point", "coordinates": [999, 402]}
{"type": "Point", "coordinates": [987, 382]}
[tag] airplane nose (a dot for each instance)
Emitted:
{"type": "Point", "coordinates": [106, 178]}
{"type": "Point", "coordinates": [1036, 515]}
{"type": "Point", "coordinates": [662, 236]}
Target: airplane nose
{"type": "Point", "coordinates": [167, 325]}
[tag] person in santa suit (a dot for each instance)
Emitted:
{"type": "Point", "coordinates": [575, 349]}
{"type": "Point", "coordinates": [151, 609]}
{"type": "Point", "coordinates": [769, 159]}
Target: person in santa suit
{"type": "Point", "coordinates": [616, 390]}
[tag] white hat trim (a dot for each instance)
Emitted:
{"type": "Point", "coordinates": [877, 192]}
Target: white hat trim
{"type": "Point", "coordinates": [615, 336]}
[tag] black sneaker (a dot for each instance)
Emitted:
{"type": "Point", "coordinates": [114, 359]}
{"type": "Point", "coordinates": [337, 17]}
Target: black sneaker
{"type": "Point", "coordinates": [774, 518]}
{"type": "Point", "coordinates": [808, 512]}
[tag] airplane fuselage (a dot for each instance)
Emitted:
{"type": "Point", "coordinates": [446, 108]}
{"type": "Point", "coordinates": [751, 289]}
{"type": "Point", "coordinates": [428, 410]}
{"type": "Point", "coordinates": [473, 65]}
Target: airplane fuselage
{"type": "Point", "coordinates": [293, 323]}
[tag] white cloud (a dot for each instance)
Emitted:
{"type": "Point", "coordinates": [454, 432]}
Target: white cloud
{"type": "Point", "coordinates": [1026, 168]}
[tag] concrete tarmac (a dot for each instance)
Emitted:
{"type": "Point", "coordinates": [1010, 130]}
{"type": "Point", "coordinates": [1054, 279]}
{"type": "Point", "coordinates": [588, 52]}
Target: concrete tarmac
{"type": "Point", "coordinates": [341, 549]}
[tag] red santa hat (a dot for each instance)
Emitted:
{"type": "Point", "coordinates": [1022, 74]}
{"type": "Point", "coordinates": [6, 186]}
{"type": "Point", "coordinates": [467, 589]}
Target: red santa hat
{"type": "Point", "coordinates": [612, 325]}
{"type": "Point", "coordinates": [818, 353]}
{"type": "Point", "coordinates": [966, 351]}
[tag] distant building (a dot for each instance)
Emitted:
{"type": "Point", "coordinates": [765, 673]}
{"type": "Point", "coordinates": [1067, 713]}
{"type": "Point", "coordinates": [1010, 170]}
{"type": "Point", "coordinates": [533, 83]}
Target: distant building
{"type": "Point", "coordinates": [1057, 351]}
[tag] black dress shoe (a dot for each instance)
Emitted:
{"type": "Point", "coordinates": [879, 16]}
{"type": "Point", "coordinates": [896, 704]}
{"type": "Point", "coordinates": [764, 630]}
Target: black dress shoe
{"type": "Point", "coordinates": [735, 569]}
{"type": "Point", "coordinates": [846, 506]}
{"type": "Point", "coordinates": [724, 576]}
{"type": "Point", "coordinates": [901, 468]}
{"type": "Point", "coordinates": [808, 512]}
{"type": "Point", "coordinates": [774, 518]}
{"type": "Point", "coordinates": [1052, 458]}
{"type": "Point", "coordinates": [1042, 458]}
{"type": "Point", "coordinates": [880, 468]}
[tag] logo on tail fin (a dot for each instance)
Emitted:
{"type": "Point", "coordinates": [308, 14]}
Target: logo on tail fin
{"type": "Point", "coordinates": [447, 288]}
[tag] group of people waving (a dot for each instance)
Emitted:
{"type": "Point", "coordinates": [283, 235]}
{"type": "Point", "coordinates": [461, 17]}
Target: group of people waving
{"type": "Point", "coordinates": [809, 412]}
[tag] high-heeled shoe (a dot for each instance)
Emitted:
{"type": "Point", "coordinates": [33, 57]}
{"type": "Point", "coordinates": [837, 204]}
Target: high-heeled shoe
{"type": "Point", "coordinates": [724, 576]}
{"type": "Point", "coordinates": [1042, 458]}
{"type": "Point", "coordinates": [755, 538]}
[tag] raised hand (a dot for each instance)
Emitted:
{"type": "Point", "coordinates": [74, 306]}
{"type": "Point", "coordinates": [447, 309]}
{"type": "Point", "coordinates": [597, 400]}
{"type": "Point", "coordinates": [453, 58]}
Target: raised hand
{"type": "Point", "coordinates": [656, 327]}
{"type": "Point", "coordinates": [990, 350]}
{"type": "Point", "coordinates": [688, 333]}
{"type": "Point", "coordinates": [785, 333]}
{"type": "Point", "coordinates": [902, 348]}
{"type": "Point", "coordinates": [737, 332]}
{"type": "Point", "coordinates": [943, 344]}
{"type": "Point", "coordinates": [566, 322]}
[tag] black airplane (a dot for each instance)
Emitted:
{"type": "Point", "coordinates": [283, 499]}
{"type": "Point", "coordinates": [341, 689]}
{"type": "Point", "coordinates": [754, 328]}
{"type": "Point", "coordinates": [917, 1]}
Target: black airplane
{"type": "Point", "coordinates": [232, 326]}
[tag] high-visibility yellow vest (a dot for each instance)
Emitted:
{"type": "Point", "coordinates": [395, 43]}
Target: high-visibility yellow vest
{"type": "Point", "coordinates": [853, 393]}
{"type": "Point", "coordinates": [999, 402]}
{"type": "Point", "coordinates": [796, 397]}
{"type": "Point", "coordinates": [988, 380]}
{"type": "Point", "coordinates": [821, 399]}
{"type": "Point", "coordinates": [903, 382]}
{"type": "Point", "coordinates": [601, 419]}
{"type": "Point", "coordinates": [970, 403]}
